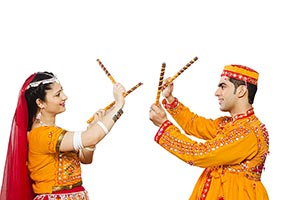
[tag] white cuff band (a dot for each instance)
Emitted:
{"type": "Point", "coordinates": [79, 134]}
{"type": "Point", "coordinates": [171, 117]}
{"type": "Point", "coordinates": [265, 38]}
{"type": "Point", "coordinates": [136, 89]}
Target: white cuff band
{"type": "Point", "coordinates": [77, 142]}
{"type": "Point", "coordinates": [90, 148]}
{"type": "Point", "coordinates": [103, 127]}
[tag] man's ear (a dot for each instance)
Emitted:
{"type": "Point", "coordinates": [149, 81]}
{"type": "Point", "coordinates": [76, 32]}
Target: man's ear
{"type": "Point", "coordinates": [242, 90]}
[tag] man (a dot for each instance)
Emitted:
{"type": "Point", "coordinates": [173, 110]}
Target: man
{"type": "Point", "coordinates": [235, 147]}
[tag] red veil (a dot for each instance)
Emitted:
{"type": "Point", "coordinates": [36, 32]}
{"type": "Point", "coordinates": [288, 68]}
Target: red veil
{"type": "Point", "coordinates": [16, 181]}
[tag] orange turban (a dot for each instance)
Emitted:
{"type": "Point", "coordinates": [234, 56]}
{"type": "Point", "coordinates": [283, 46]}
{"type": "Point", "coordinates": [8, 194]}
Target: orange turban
{"type": "Point", "coordinates": [241, 72]}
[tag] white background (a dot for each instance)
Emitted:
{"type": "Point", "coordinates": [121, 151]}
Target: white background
{"type": "Point", "coordinates": [133, 38]}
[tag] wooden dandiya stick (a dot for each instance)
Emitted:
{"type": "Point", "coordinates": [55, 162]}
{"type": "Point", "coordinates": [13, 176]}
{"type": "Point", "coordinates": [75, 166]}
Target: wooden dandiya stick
{"type": "Point", "coordinates": [161, 78]}
{"type": "Point", "coordinates": [125, 94]}
{"type": "Point", "coordinates": [106, 72]}
{"type": "Point", "coordinates": [179, 72]}
{"type": "Point", "coordinates": [113, 103]}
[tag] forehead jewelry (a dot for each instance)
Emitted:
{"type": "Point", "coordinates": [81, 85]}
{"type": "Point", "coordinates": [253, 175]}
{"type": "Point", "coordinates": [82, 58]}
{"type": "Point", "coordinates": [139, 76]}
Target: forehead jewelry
{"type": "Point", "coordinates": [45, 81]}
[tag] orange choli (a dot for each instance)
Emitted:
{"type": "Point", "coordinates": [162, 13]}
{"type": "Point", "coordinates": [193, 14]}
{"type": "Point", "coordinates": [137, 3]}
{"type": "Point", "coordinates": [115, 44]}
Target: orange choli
{"type": "Point", "coordinates": [49, 168]}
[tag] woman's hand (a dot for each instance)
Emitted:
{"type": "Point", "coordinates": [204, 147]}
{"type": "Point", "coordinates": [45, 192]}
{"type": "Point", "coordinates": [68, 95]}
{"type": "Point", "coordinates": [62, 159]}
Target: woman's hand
{"type": "Point", "coordinates": [119, 94]}
{"type": "Point", "coordinates": [98, 116]}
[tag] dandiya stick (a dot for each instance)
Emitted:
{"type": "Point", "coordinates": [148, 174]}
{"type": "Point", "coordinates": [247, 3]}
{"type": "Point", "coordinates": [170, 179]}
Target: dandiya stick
{"type": "Point", "coordinates": [106, 72]}
{"type": "Point", "coordinates": [179, 72]}
{"type": "Point", "coordinates": [161, 78]}
{"type": "Point", "coordinates": [113, 103]}
{"type": "Point", "coordinates": [125, 94]}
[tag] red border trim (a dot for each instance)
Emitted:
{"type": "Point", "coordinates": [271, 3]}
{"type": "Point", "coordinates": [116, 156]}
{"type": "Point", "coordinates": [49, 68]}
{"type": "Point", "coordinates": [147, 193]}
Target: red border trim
{"type": "Point", "coordinates": [161, 130]}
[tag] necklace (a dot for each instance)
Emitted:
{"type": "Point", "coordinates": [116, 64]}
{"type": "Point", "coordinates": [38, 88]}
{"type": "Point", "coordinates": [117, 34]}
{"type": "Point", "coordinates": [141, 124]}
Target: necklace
{"type": "Point", "coordinates": [45, 124]}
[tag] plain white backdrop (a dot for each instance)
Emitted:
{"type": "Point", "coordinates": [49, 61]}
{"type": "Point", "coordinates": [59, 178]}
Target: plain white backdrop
{"type": "Point", "coordinates": [132, 39]}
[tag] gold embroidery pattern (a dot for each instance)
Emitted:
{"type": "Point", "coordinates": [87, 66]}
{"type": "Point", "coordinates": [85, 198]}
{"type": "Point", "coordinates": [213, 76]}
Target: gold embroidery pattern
{"type": "Point", "coordinates": [182, 147]}
{"type": "Point", "coordinates": [234, 132]}
{"type": "Point", "coordinates": [50, 142]}
{"type": "Point", "coordinates": [69, 171]}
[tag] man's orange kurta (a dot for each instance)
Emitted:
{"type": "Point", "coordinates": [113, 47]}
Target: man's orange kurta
{"type": "Point", "coordinates": [49, 168]}
{"type": "Point", "coordinates": [233, 153]}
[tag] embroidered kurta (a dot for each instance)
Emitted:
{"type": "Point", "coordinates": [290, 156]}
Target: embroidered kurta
{"type": "Point", "coordinates": [50, 169]}
{"type": "Point", "coordinates": [233, 152]}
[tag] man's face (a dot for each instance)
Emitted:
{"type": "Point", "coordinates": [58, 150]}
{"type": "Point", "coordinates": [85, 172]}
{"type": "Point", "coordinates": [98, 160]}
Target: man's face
{"type": "Point", "coordinates": [226, 94]}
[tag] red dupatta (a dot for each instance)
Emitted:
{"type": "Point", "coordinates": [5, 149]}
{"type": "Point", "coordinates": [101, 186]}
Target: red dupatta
{"type": "Point", "coordinates": [16, 182]}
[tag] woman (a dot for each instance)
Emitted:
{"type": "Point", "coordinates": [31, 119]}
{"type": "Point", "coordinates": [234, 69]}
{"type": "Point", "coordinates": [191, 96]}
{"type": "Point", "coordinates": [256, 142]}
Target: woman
{"type": "Point", "coordinates": [43, 160]}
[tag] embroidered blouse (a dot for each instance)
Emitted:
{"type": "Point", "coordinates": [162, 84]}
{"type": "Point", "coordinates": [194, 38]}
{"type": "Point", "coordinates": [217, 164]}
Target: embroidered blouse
{"type": "Point", "coordinates": [49, 168]}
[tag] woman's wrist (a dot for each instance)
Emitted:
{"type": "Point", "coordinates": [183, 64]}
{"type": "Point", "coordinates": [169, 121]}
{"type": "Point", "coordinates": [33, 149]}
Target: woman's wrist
{"type": "Point", "coordinates": [104, 128]}
{"type": "Point", "coordinates": [90, 148]}
{"type": "Point", "coordinates": [119, 105]}
{"type": "Point", "coordinates": [117, 115]}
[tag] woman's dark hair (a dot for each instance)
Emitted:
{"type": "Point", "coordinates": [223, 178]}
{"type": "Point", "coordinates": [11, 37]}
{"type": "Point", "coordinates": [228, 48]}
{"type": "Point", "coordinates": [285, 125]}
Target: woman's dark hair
{"type": "Point", "coordinates": [34, 93]}
{"type": "Point", "coordinates": [251, 88]}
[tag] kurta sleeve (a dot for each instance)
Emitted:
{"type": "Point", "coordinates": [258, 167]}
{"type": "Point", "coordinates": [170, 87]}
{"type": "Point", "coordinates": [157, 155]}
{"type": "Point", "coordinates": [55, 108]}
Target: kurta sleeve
{"type": "Point", "coordinates": [229, 148]}
{"type": "Point", "coordinates": [190, 122]}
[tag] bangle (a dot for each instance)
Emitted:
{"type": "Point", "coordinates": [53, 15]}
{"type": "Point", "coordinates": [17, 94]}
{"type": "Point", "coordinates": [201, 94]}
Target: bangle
{"type": "Point", "coordinates": [90, 148]}
{"type": "Point", "coordinates": [77, 142]}
{"type": "Point", "coordinates": [103, 127]}
{"type": "Point", "coordinates": [117, 115]}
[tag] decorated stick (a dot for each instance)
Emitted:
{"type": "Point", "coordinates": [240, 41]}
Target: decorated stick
{"type": "Point", "coordinates": [113, 103]}
{"type": "Point", "coordinates": [161, 78]}
{"type": "Point", "coordinates": [179, 72]}
{"type": "Point", "coordinates": [106, 72]}
{"type": "Point", "coordinates": [125, 94]}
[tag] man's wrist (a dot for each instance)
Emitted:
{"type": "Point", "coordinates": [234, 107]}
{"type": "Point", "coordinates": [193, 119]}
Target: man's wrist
{"type": "Point", "coordinates": [172, 105]}
{"type": "Point", "coordinates": [162, 130]}
{"type": "Point", "coordinates": [170, 99]}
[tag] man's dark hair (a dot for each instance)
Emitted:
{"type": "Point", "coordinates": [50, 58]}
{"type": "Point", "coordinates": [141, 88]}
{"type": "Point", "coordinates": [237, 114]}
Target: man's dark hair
{"type": "Point", "coordinates": [251, 88]}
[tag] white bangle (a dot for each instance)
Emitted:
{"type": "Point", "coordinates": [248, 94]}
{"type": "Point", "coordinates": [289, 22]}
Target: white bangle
{"type": "Point", "coordinates": [103, 127]}
{"type": "Point", "coordinates": [90, 148]}
{"type": "Point", "coordinates": [77, 142]}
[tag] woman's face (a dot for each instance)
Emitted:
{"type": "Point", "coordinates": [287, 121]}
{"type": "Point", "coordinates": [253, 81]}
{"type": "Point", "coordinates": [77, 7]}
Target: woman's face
{"type": "Point", "coordinates": [55, 99]}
